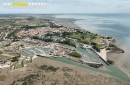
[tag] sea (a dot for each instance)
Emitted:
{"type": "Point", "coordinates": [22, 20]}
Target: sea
{"type": "Point", "coordinates": [116, 25]}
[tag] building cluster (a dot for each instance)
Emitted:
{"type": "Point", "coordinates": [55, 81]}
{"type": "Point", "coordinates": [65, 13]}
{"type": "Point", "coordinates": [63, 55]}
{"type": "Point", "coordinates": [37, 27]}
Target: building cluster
{"type": "Point", "coordinates": [61, 50]}
{"type": "Point", "coordinates": [21, 45]}
{"type": "Point", "coordinates": [28, 47]}
{"type": "Point", "coordinates": [107, 41]}
{"type": "Point", "coordinates": [42, 31]}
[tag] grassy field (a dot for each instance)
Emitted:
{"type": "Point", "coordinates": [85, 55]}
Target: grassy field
{"type": "Point", "coordinates": [6, 23]}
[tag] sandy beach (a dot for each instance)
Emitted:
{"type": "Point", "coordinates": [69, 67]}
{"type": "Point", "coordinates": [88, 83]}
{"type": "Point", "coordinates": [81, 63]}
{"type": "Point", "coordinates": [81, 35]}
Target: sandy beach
{"type": "Point", "coordinates": [103, 54]}
{"type": "Point", "coordinates": [119, 59]}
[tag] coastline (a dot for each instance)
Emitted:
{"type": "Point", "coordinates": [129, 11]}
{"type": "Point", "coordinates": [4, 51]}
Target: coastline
{"type": "Point", "coordinates": [118, 57]}
{"type": "Point", "coordinates": [67, 22]}
{"type": "Point", "coordinates": [72, 21]}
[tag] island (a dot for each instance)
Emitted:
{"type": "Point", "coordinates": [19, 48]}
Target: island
{"type": "Point", "coordinates": [25, 38]}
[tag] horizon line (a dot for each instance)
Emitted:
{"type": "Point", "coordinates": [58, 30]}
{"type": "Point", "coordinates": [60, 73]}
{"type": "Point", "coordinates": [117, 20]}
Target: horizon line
{"type": "Point", "coordinates": [62, 13]}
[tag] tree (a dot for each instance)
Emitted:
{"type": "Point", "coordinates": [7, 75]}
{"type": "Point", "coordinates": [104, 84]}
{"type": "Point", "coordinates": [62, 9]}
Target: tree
{"type": "Point", "coordinates": [75, 54]}
{"type": "Point", "coordinates": [31, 60]}
{"type": "Point", "coordinates": [23, 63]}
{"type": "Point", "coordinates": [14, 65]}
{"type": "Point", "coordinates": [96, 48]}
{"type": "Point", "coordinates": [1, 52]}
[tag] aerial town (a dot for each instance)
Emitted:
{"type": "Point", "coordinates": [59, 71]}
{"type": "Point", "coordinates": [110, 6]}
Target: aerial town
{"type": "Point", "coordinates": [21, 43]}
{"type": "Point", "coordinates": [26, 41]}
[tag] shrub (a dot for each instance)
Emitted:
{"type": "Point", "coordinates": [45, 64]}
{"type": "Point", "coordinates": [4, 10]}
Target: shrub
{"type": "Point", "coordinates": [75, 54]}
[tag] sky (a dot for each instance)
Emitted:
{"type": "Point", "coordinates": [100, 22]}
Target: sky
{"type": "Point", "coordinates": [70, 6]}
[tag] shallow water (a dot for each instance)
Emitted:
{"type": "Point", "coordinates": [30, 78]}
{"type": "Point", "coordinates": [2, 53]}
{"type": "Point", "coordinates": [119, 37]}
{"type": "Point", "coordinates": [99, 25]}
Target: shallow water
{"type": "Point", "coordinates": [115, 25]}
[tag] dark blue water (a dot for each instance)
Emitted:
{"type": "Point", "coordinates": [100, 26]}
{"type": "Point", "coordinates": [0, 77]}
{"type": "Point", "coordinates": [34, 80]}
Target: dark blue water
{"type": "Point", "coordinates": [115, 25]}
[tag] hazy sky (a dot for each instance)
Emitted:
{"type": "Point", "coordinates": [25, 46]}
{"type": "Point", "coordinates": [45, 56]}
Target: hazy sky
{"type": "Point", "coordinates": [72, 6]}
